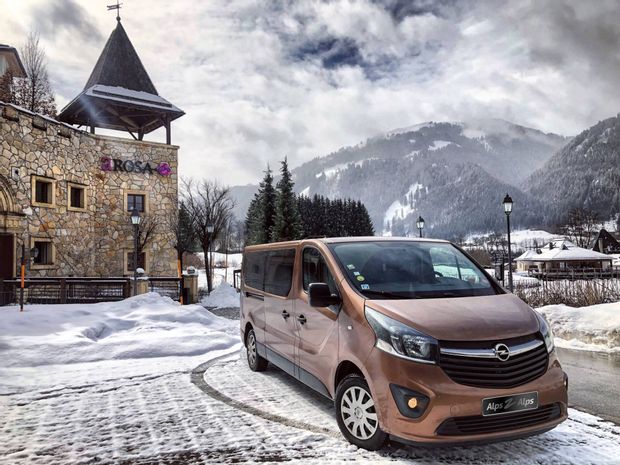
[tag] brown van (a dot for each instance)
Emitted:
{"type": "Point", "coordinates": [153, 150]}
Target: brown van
{"type": "Point", "coordinates": [410, 338]}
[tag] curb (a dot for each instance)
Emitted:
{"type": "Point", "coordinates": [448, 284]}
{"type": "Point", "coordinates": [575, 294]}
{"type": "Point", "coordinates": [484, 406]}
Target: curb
{"type": "Point", "coordinates": [198, 378]}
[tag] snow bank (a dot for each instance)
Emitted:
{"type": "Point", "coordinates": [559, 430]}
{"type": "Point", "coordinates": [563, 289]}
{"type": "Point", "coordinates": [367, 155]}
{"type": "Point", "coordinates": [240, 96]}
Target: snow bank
{"type": "Point", "coordinates": [144, 326]}
{"type": "Point", "coordinates": [223, 296]}
{"type": "Point", "coordinates": [596, 327]}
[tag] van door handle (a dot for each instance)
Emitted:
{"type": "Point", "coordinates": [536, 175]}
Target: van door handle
{"type": "Point", "coordinates": [302, 319]}
{"type": "Point", "coordinates": [285, 314]}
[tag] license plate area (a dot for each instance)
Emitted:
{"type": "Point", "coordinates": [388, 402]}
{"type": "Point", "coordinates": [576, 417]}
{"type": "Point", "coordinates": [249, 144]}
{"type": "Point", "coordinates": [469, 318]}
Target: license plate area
{"type": "Point", "coordinates": [508, 404]}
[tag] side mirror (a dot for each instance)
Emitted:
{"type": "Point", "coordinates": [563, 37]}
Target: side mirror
{"type": "Point", "coordinates": [319, 295]}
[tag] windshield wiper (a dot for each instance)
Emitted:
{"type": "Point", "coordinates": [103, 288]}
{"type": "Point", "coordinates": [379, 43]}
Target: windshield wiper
{"type": "Point", "coordinates": [389, 295]}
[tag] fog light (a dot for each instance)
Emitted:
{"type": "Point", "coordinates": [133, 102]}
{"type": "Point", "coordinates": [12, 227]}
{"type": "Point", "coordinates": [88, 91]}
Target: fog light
{"type": "Point", "coordinates": [410, 403]}
{"type": "Point", "coordinates": [566, 381]}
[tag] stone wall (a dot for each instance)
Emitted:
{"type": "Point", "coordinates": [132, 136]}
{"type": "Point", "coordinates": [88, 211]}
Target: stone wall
{"type": "Point", "coordinates": [93, 242]}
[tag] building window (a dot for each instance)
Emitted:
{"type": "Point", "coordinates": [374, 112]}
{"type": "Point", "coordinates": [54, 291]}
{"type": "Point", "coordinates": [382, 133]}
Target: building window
{"type": "Point", "coordinates": [43, 191]}
{"type": "Point", "coordinates": [42, 252]}
{"type": "Point", "coordinates": [141, 261]}
{"type": "Point", "coordinates": [136, 201]}
{"type": "Point", "coordinates": [77, 197]}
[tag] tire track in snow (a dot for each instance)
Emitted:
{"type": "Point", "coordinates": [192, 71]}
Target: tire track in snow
{"type": "Point", "coordinates": [198, 377]}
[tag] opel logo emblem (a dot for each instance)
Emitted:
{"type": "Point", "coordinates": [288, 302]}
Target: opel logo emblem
{"type": "Point", "coordinates": [502, 352]}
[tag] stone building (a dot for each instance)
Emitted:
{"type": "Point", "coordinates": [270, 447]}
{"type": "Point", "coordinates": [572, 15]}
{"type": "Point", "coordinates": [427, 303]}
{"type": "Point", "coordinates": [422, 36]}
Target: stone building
{"type": "Point", "coordinates": [67, 194]}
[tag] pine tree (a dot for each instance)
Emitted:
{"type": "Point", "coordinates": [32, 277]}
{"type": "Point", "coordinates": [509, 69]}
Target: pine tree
{"type": "Point", "coordinates": [252, 221]}
{"type": "Point", "coordinates": [287, 224]}
{"type": "Point", "coordinates": [267, 212]}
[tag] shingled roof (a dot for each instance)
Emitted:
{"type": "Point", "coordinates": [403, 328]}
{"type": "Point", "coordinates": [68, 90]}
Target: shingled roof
{"type": "Point", "coordinates": [119, 65]}
{"type": "Point", "coordinates": [120, 95]}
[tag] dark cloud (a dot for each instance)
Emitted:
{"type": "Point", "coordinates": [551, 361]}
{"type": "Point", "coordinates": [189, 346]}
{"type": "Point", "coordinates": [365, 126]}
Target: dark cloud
{"type": "Point", "coordinates": [332, 52]}
{"type": "Point", "coordinates": [51, 16]}
{"type": "Point", "coordinates": [401, 9]}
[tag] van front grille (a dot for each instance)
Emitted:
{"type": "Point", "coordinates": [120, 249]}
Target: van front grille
{"type": "Point", "coordinates": [477, 364]}
{"type": "Point", "coordinates": [463, 426]}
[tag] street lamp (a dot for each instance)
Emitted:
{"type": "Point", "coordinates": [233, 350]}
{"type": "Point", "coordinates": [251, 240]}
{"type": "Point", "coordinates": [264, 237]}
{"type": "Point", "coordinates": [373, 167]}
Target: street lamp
{"type": "Point", "coordinates": [508, 210]}
{"type": "Point", "coordinates": [135, 220]}
{"type": "Point", "coordinates": [210, 229]}
{"type": "Point", "coordinates": [420, 224]}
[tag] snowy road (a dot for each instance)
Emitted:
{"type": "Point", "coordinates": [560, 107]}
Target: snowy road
{"type": "Point", "coordinates": [594, 381]}
{"type": "Point", "coordinates": [273, 394]}
{"type": "Point", "coordinates": [148, 412]}
{"type": "Point", "coordinates": [117, 384]}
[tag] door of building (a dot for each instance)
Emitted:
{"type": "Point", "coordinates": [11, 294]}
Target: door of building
{"type": "Point", "coordinates": [7, 263]}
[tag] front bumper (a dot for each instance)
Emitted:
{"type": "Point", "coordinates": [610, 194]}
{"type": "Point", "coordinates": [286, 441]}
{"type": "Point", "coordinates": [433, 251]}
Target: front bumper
{"type": "Point", "coordinates": [449, 399]}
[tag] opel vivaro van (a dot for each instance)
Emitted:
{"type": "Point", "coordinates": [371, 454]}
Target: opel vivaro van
{"type": "Point", "coordinates": [410, 338]}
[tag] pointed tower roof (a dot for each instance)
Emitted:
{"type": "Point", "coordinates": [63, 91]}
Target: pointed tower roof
{"type": "Point", "coordinates": [119, 93]}
{"type": "Point", "coordinates": [119, 65]}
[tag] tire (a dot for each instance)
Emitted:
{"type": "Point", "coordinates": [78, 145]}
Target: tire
{"type": "Point", "coordinates": [356, 414]}
{"type": "Point", "coordinates": [255, 361]}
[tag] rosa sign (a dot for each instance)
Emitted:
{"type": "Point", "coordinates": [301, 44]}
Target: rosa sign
{"type": "Point", "coordinates": [130, 166]}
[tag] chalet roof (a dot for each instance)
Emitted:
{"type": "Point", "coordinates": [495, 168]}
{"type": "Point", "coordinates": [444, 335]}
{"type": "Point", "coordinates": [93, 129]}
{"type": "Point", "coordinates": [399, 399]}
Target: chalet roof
{"type": "Point", "coordinates": [119, 65]}
{"type": "Point", "coordinates": [609, 242]}
{"type": "Point", "coordinates": [119, 93]}
{"type": "Point", "coordinates": [561, 250]}
{"type": "Point", "coordinates": [13, 59]}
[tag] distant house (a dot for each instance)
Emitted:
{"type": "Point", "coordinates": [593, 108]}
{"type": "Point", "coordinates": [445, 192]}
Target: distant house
{"type": "Point", "coordinates": [605, 243]}
{"type": "Point", "coordinates": [562, 256]}
{"type": "Point", "coordinates": [10, 61]}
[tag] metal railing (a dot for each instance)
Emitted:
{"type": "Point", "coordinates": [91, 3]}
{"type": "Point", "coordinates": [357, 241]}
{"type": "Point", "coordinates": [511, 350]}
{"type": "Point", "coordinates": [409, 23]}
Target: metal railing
{"type": "Point", "coordinates": [168, 287]}
{"type": "Point", "coordinates": [573, 274]}
{"type": "Point", "coordinates": [80, 290]}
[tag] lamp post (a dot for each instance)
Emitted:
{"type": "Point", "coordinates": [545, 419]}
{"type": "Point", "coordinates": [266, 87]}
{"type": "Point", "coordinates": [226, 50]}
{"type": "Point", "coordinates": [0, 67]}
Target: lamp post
{"type": "Point", "coordinates": [420, 224]}
{"type": "Point", "coordinates": [135, 220]}
{"type": "Point", "coordinates": [210, 230]}
{"type": "Point", "coordinates": [508, 210]}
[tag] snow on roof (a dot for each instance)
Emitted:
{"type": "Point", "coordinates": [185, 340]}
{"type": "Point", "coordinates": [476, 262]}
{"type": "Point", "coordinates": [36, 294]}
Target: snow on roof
{"type": "Point", "coordinates": [130, 96]}
{"type": "Point", "coordinates": [561, 250]}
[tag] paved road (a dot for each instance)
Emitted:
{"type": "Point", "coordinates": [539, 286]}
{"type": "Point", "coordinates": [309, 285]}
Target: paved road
{"type": "Point", "coordinates": [593, 382]}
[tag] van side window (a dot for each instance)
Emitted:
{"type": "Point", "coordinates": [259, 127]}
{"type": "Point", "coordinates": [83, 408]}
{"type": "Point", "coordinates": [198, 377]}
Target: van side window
{"type": "Point", "coordinates": [315, 270]}
{"type": "Point", "coordinates": [254, 269]}
{"type": "Point", "coordinates": [279, 272]}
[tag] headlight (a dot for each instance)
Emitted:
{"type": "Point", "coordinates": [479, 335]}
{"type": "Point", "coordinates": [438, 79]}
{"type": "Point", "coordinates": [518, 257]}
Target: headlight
{"type": "Point", "coordinates": [399, 339]}
{"type": "Point", "coordinates": [545, 330]}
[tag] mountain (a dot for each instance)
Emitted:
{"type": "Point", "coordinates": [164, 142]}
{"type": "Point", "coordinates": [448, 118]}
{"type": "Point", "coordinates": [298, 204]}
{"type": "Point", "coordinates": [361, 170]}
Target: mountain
{"type": "Point", "coordinates": [450, 173]}
{"type": "Point", "coordinates": [585, 173]}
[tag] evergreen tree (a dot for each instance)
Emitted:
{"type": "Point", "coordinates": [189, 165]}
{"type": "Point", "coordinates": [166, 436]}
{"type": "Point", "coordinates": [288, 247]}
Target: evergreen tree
{"type": "Point", "coordinates": [267, 212]}
{"type": "Point", "coordinates": [252, 221]}
{"type": "Point", "coordinates": [287, 224]}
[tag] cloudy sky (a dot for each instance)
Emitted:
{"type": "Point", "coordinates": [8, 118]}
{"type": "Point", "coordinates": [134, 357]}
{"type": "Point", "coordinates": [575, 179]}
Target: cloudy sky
{"type": "Point", "coordinates": [263, 79]}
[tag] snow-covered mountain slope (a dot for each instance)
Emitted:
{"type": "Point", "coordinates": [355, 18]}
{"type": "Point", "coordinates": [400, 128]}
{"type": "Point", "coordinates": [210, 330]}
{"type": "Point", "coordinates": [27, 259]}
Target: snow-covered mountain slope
{"type": "Point", "coordinates": [385, 170]}
{"type": "Point", "coordinates": [585, 173]}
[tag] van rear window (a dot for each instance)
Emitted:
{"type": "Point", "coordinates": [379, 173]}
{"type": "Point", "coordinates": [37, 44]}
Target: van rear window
{"type": "Point", "coordinates": [279, 271]}
{"type": "Point", "coordinates": [269, 271]}
{"type": "Point", "coordinates": [254, 269]}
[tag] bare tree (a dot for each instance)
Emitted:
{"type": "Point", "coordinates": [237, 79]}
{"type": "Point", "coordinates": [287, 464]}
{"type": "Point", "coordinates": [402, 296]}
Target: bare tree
{"type": "Point", "coordinates": [146, 230]}
{"type": "Point", "coordinates": [34, 92]}
{"type": "Point", "coordinates": [581, 227]}
{"type": "Point", "coordinates": [210, 206]}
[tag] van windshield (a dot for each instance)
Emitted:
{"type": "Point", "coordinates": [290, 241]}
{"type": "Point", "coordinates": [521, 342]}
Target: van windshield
{"type": "Point", "coordinates": [411, 270]}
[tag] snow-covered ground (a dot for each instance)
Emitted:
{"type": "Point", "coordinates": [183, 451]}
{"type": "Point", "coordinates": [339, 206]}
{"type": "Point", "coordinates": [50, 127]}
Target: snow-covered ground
{"type": "Point", "coordinates": [111, 384]}
{"type": "Point", "coordinates": [142, 327]}
{"type": "Point", "coordinates": [596, 327]}
{"type": "Point", "coordinates": [223, 296]}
